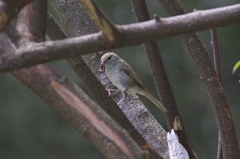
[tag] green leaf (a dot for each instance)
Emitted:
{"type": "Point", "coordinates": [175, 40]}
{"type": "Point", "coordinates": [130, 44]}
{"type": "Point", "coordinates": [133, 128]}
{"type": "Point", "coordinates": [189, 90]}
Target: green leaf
{"type": "Point", "coordinates": [236, 67]}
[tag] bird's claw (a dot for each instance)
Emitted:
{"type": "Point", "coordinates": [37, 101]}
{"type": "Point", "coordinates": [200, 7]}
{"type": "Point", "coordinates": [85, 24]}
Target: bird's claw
{"type": "Point", "coordinates": [100, 71]}
{"type": "Point", "coordinates": [109, 92]}
{"type": "Point", "coordinates": [121, 100]}
{"type": "Point", "coordinates": [124, 95]}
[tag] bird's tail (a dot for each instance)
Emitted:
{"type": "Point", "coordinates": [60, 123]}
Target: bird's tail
{"type": "Point", "coordinates": [154, 100]}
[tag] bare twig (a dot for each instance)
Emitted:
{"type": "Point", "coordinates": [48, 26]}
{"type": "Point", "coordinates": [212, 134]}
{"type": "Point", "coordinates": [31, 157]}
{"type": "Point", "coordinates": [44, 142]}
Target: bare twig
{"type": "Point", "coordinates": [213, 84]}
{"type": "Point", "coordinates": [216, 60]}
{"type": "Point", "coordinates": [130, 35]}
{"type": "Point", "coordinates": [161, 79]}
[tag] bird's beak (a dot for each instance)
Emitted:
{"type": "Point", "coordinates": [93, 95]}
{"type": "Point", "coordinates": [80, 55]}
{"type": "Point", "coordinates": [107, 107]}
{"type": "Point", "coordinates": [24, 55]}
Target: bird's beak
{"type": "Point", "coordinates": [102, 67]}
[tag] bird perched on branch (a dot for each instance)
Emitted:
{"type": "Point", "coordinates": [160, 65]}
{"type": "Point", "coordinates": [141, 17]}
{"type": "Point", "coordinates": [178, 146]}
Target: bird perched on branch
{"type": "Point", "coordinates": [124, 78]}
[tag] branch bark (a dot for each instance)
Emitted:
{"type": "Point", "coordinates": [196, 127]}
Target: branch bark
{"type": "Point", "coordinates": [212, 83]}
{"type": "Point", "coordinates": [108, 28]}
{"type": "Point", "coordinates": [216, 54]}
{"type": "Point", "coordinates": [161, 80]}
{"type": "Point", "coordinates": [8, 9]}
{"type": "Point", "coordinates": [216, 60]}
{"type": "Point", "coordinates": [66, 97]}
{"type": "Point", "coordinates": [129, 35]}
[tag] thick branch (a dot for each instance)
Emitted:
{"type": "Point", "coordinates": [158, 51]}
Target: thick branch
{"type": "Point", "coordinates": [130, 35]}
{"type": "Point", "coordinates": [161, 79]}
{"type": "Point", "coordinates": [213, 84]}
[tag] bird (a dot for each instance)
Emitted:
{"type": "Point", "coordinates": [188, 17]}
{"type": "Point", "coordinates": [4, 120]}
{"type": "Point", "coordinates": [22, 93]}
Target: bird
{"type": "Point", "coordinates": [124, 78]}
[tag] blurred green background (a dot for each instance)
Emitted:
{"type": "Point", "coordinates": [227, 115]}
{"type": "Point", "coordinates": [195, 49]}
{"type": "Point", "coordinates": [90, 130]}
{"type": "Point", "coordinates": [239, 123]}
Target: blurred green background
{"type": "Point", "coordinates": [30, 129]}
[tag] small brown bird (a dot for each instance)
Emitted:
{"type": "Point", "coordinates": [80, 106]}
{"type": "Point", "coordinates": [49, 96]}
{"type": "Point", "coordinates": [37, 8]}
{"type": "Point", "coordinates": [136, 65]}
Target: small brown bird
{"type": "Point", "coordinates": [124, 78]}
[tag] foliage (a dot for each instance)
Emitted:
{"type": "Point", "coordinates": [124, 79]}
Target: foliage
{"type": "Point", "coordinates": [236, 66]}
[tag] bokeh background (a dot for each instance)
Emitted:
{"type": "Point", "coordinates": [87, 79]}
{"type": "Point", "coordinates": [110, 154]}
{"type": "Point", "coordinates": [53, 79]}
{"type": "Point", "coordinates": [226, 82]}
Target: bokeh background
{"type": "Point", "coordinates": [30, 129]}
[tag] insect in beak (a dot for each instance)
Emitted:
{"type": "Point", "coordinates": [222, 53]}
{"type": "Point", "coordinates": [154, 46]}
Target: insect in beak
{"type": "Point", "coordinates": [102, 67]}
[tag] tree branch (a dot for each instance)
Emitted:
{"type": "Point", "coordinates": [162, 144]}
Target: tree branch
{"type": "Point", "coordinates": [216, 60]}
{"type": "Point", "coordinates": [161, 79]}
{"type": "Point", "coordinates": [32, 21]}
{"type": "Point", "coordinates": [13, 34]}
{"type": "Point", "coordinates": [216, 56]}
{"type": "Point", "coordinates": [8, 9]}
{"type": "Point", "coordinates": [130, 35]}
{"type": "Point", "coordinates": [213, 84]}
{"type": "Point", "coordinates": [109, 30]}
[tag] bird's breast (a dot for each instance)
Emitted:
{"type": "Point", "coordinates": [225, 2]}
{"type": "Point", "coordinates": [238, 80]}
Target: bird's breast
{"type": "Point", "coordinates": [119, 79]}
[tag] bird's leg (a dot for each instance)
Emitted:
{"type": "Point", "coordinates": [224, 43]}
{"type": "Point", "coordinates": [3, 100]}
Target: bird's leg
{"type": "Point", "coordinates": [109, 91]}
{"type": "Point", "coordinates": [117, 90]}
{"type": "Point", "coordinates": [124, 96]}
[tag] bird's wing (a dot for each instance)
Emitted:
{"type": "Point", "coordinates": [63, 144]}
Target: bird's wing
{"type": "Point", "coordinates": [129, 71]}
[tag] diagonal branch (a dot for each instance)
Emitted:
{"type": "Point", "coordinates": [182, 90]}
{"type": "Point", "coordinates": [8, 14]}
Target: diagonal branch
{"type": "Point", "coordinates": [161, 79]}
{"type": "Point", "coordinates": [130, 35]}
{"type": "Point", "coordinates": [109, 30]}
{"type": "Point", "coordinates": [213, 85]}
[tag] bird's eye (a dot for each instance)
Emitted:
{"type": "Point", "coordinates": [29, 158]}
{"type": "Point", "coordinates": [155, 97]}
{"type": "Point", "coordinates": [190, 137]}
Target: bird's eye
{"type": "Point", "coordinates": [109, 57]}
